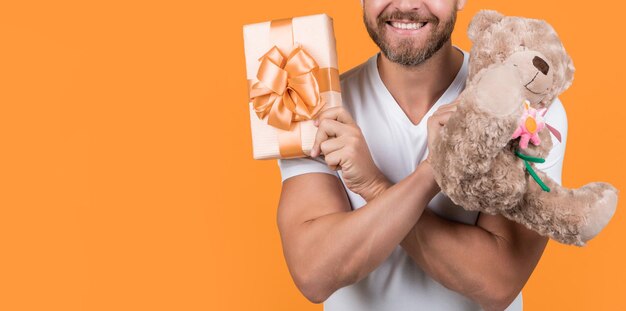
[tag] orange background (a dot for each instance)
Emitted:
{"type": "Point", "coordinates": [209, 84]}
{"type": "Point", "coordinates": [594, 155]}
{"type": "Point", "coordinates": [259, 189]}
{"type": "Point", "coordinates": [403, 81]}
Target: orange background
{"type": "Point", "coordinates": [126, 158]}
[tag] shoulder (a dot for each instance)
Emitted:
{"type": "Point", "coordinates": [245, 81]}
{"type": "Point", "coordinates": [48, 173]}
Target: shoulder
{"type": "Point", "coordinates": [355, 71]}
{"type": "Point", "coordinates": [355, 85]}
{"type": "Point", "coordinates": [556, 115]}
{"type": "Point", "coordinates": [354, 76]}
{"type": "Point", "coordinates": [557, 109]}
{"type": "Point", "coordinates": [556, 118]}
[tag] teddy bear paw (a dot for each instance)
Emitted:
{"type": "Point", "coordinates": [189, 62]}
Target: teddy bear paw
{"type": "Point", "coordinates": [599, 214]}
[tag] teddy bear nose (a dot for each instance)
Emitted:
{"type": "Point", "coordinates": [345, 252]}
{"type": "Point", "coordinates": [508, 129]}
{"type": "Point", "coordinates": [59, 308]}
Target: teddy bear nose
{"type": "Point", "coordinates": [541, 65]}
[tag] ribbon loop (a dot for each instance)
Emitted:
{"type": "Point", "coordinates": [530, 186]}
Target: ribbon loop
{"type": "Point", "coordinates": [272, 76]}
{"type": "Point", "coordinates": [299, 62]}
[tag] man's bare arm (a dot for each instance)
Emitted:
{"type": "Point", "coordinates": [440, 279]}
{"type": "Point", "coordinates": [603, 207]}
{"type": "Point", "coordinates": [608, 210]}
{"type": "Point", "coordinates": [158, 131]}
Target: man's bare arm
{"type": "Point", "coordinates": [327, 246]}
{"type": "Point", "coordinates": [488, 263]}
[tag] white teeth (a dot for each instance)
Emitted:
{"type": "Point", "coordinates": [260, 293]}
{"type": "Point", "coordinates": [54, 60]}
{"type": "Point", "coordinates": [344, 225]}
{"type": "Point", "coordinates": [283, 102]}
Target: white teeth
{"type": "Point", "coordinates": [407, 25]}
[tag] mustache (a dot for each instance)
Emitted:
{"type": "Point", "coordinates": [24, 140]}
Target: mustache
{"type": "Point", "coordinates": [410, 16]}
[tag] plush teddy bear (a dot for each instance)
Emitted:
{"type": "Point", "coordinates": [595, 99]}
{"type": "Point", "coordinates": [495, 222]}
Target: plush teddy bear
{"type": "Point", "coordinates": [484, 158]}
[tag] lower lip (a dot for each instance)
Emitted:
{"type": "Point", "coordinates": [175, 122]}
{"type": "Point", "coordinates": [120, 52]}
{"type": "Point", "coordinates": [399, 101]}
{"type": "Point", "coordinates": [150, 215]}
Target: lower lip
{"type": "Point", "coordinates": [406, 31]}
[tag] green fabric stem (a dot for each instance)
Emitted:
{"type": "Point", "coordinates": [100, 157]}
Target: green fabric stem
{"type": "Point", "coordinates": [531, 171]}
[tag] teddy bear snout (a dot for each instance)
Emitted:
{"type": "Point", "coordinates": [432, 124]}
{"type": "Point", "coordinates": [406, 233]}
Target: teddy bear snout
{"type": "Point", "coordinates": [541, 65]}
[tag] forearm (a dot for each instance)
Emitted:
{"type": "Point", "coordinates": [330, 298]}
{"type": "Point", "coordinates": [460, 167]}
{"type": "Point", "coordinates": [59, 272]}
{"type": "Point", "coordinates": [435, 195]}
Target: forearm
{"type": "Point", "coordinates": [470, 260]}
{"type": "Point", "coordinates": [450, 253]}
{"type": "Point", "coordinates": [341, 248]}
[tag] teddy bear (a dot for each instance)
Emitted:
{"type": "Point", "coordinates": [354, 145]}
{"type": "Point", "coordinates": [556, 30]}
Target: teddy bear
{"type": "Point", "coordinates": [484, 159]}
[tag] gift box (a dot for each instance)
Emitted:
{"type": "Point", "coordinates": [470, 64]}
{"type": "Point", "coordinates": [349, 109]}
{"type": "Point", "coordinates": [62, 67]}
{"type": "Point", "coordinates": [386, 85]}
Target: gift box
{"type": "Point", "coordinates": [291, 67]}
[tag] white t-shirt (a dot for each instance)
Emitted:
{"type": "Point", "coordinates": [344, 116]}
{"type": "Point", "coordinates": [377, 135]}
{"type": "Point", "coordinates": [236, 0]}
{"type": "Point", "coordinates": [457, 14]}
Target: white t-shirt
{"type": "Point", "coordinates": [397, 147]}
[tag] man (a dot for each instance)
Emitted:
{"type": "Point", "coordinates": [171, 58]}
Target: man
{"type": "Point", "coordinates": [362, 221]}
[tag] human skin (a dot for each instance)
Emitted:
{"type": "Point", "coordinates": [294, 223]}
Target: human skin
{"type": "Point", "coordinates": [328, 246]}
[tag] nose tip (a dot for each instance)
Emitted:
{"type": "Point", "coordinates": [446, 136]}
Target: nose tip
{"type": "Point", "coordinates": [541, 65]}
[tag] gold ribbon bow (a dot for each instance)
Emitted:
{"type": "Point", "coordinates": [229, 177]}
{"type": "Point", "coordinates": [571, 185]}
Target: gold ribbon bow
{"type": "Point", "coordinates": [286, 89]}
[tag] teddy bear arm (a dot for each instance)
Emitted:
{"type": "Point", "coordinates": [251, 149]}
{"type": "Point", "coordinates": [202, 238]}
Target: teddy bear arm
{"type": "Point", "coordinates": [569, 216]}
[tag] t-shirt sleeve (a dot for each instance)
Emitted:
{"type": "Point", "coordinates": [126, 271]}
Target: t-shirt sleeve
{"type": "Point", "coordinates": [556, 118]}
{"type": "Point", "coordinates": [298, 166]}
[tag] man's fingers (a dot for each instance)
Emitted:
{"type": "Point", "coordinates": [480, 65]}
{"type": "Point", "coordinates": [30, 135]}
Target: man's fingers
{"type": "Point", "coordinates": [441, 118]}
{"type": "Point", "coordinates": [450, 104]}
{"type": "Point", "coordinates": [335, 113]}
{"type": "Point", "coordinates": [446, 108]}
{"type": "Point", "coordinates": [331, 145]}
{"type": "Point", "coordinates": [327, 128]}
{"type": "Point", "coordinates": [445, 116]}
{"type": "Point", "coordinates": [333, 160]}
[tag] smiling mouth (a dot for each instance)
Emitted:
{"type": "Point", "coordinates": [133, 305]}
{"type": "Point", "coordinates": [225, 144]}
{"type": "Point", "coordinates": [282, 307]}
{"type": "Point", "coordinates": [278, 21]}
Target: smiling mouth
{"type": "Point", "coordinates": [406, 25]}
{"type": "Point", "coordinates": [532, 91]}
{"type": "Point", "coordinates": [531, 81]}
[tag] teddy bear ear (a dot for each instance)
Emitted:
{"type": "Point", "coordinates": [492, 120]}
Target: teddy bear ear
{"type": "Point", "coordinates": [481, 21]}
{"type": "Point", "coordinates": [569, 72]}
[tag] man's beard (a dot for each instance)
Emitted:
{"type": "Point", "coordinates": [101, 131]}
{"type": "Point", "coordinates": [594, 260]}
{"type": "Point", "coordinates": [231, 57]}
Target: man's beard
{"type": "Point", "coordinates": [405, 53]}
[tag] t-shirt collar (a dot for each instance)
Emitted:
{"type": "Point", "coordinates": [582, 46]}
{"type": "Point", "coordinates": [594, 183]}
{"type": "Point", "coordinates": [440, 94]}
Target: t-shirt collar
{"type": "Point", "coordinates": [448, 96]}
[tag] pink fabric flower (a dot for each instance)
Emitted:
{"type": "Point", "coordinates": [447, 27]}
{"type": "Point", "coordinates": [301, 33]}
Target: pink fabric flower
{"type": "Point", "coordinates": [530, 124]}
